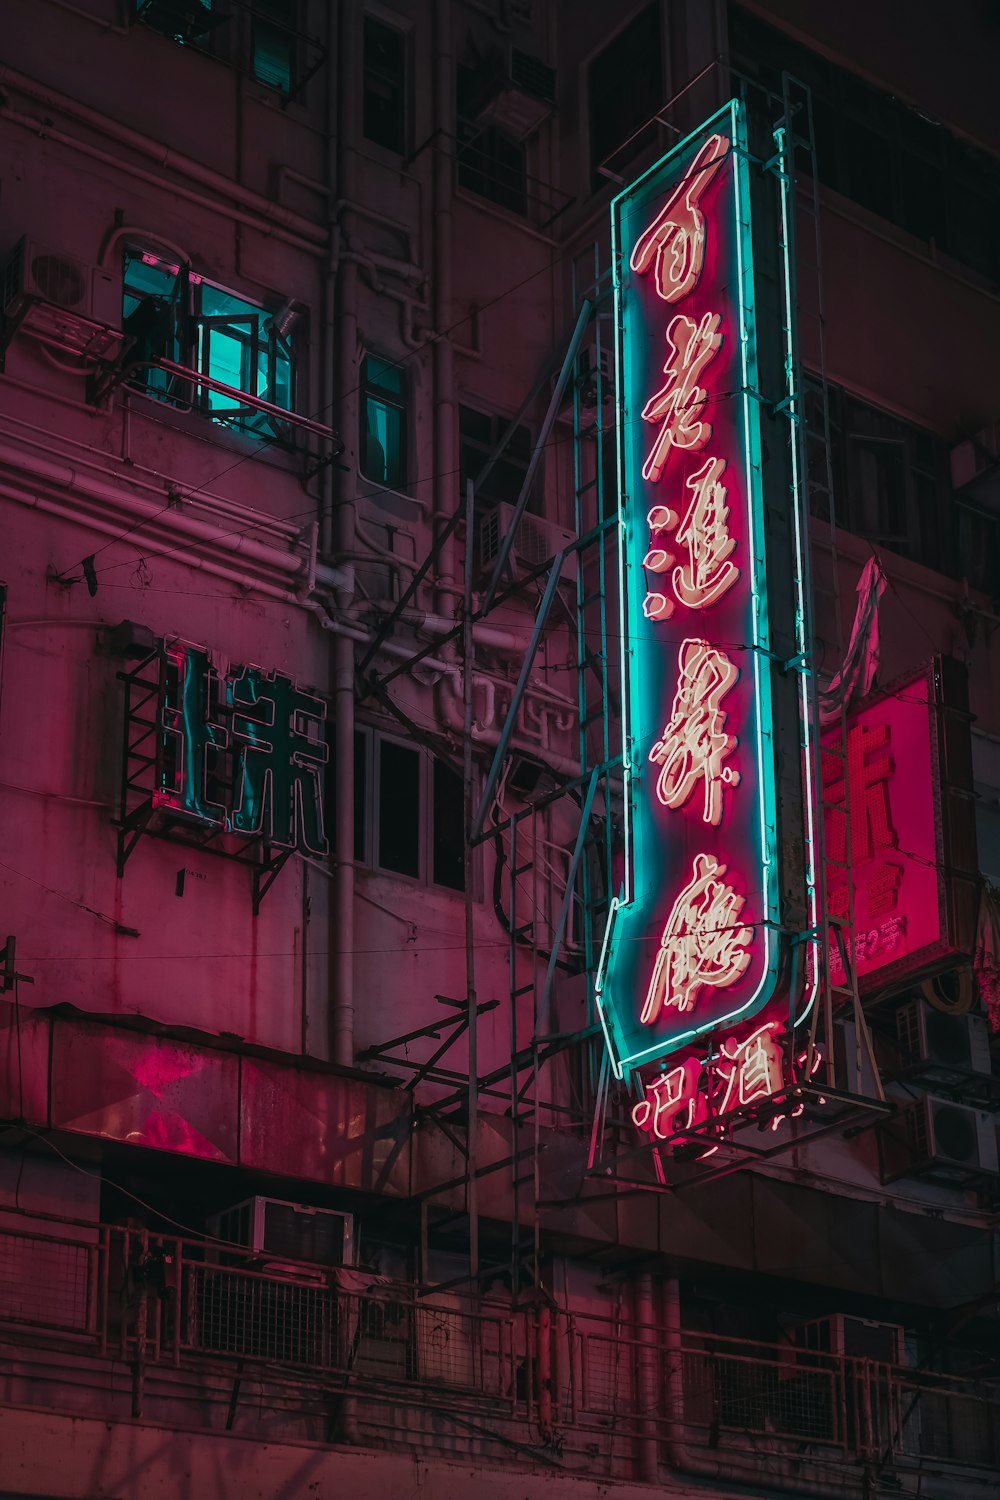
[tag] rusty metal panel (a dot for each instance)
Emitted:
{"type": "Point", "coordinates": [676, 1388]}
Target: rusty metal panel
{"type": "Point", "coordinates": [314, 1125]}
{"type": "Point", "coordinates": [148, 1091]}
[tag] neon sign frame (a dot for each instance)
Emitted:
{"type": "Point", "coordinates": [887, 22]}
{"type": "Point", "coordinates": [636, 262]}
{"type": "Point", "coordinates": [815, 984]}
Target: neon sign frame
{"type": "Point", "coordinates": [651, 877]}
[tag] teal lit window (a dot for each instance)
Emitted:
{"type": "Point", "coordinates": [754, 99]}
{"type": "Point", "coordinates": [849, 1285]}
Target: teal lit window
{"type": "Point", "coordinates": [190, 22]}
{"type": "Point", "coordinates": [172, 314]}
{"type": "Point", "coordinates": [273, 44]}
{"type": "Point", "coordinates": [383, 422]}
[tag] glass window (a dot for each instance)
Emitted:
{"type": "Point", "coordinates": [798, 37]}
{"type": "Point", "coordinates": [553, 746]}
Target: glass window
{"type": "Point", "coordinates": [384, 88]}
{"type": "Point", "coordinates": [171, 313]}
{"type": "Point", "coordinates": [448, 830]}
{"type": "Point", "coordinates": [625, 89]}
{"type": "Point", "coordinates": [273, 43]}
{"type": "Point", "coordinates": [189, 22]}
{"type": "Point", "coordinates": [478, 434]}
{"type": "Point", "coordinates": [383, 422]}
{"type": "Point", "coordinates": [399, 808]}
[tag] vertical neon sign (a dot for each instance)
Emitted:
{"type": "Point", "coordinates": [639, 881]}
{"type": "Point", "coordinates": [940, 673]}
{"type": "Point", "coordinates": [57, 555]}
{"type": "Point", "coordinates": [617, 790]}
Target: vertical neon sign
{"type": "Point", "coordinates": [692, 940]}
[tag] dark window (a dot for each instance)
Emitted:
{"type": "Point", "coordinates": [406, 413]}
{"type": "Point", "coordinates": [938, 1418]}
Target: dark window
{"type": "Point", "coordinates": [448, 828]}
{"type": "Point", "coordinates": [190, 22]}
{"type": "Point", "coordinates": [360, 795]}
{"type": "Point", "coordinates": [625, 89]}
{"type": "Point", "coordinates": [879, 152]}
{"type": "Point", "coordinates": [978, 546]}
{"type": "Point", "coordinates": [172, 313]}
{"type": "Point", "coordinates": [399, 800]}
{"type": "Point", "coordinates": [478, 434]}
{"type": "Point", "coordinates": [383, 422]}
{"type": "Point", "coordinates": [3, 622]}
{"type": "Point", "coordinates": [490, 163]}
{"type": "Point", "coordinates": [384, 93]}
{"type": "Point", "coordinates": [273, 43]}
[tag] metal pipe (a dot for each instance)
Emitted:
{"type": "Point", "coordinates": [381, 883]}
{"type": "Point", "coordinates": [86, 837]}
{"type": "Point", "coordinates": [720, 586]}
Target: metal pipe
{"type": "Point", "coordinates": [165, 156]}
{"type": "Point", "coordinates": [445, 424]}
{"type": "Point", "coordinates": [647, 1377]}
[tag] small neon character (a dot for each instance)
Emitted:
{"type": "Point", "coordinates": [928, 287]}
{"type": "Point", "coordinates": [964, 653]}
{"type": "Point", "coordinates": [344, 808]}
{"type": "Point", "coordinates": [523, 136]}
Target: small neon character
{"type": "Point", "coordinates": [668, 1106]}
{"type": "Point", "coordinates": [674, 243]}
{"type": "Point", "coordinates": [703, 943]}
{"type": "Point", "coordinates": [680, 403]}
{"type": "Point", "coordinates": [751, 1069]}
{"type": "Point", "coordinates": [695, 743]}
{"type": "Point", "coordinates": [704, 531]}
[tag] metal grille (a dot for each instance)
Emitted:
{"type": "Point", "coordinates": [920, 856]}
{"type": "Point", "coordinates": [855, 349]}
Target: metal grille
{"type": "Point", "coordinates": [761, 1396]}
{"type": "Point", "coordinates": [261, 1318]}
{"type": "Point", "coordinates": [46, 1282]}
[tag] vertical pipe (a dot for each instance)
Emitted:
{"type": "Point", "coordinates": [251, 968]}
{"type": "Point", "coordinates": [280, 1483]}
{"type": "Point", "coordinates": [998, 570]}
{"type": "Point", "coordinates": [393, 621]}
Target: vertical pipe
{"type": "Point", "coordinates": [545, 1372]}
{"type": "Point", "coordinates": [445, 425]}
{"type": "Point", "coordinates": [341, 910]}
{"type": "Point", "coordinates": [472, 1137]}
{"type": "Point", "coordinates": [647, 1377]}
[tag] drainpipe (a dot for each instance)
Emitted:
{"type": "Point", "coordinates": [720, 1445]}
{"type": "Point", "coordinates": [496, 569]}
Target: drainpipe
{"type": "Point", "coordinates": [341, 909]}
{"type": "Point", "coordinates": [445, 429]}
{"type": "Point", "coordinates": [647, 1378]}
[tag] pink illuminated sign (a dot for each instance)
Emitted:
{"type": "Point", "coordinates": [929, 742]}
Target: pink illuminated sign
{"type": "Point", "coordinates": [892, 800]}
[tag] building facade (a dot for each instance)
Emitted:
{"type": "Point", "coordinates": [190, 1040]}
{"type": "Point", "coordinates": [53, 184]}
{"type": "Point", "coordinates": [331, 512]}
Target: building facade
{"type": "Point", "coordinates": [313, 1167]}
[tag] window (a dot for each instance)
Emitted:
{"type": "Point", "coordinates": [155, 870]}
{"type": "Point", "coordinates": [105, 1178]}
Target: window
{"type": "Point", "coordinates": [889, 478]}
{"type": "Point", "coordinates": [478, 435]}
{"type": "Point", "coordinates": [491, 164]}
{"type": "Point", "coordinates": [273, 43]}
{"type": "Point", "coordinates": [172, 313]}
{"type": "Point", "coordinates": [625, 89]}
{"type": "Point", "coordinates": [880, 153]}
{"type": "Point", "coordinates": [413, 824]}
{"type": "Point", "coordinates": [383, 422]}
{"type": "Point", "coordinates": [384, 87]}
{"type": "Point", "coordinates": [190, 22]}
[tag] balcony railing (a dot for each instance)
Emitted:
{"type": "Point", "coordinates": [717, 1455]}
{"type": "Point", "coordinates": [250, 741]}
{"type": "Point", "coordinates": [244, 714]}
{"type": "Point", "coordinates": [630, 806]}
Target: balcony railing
{"type": "Point", "coordinates": [573, 1389]}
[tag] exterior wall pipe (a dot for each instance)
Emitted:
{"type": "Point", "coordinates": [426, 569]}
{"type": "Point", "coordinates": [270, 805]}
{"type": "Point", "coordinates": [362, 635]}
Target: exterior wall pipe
{"type": "Point", "coordinates": [172, 525]}
{"type": "Point", "coordinates": [47, 132]}
{"type": "Point", "coordinates": [442, 229]}
{"type": "Point", "coordinates": [647, 1352]}
{"type": "Point", "coordinates": [164, 156]}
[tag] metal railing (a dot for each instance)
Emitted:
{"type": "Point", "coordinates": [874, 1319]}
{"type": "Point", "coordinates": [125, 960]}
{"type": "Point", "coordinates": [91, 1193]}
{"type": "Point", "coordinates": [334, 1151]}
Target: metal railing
{"type": "Point", "coordinates": [583, 1387]}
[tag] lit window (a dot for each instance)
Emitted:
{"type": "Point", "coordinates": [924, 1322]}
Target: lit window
{"type": "Point", "coordinates": [384, 102]}
{"type": "Point", "coordinates": [173, 314]}
{"type": "Point", "coordinates": [190, 22]}
{"type": "Point", "coordinates": [273, 43]}
{"type": "Point", "coordinates": [624, 90]}
{"type": "Point", "coordinates": [413, 823]}
{"type": "Point", "coordinates": [383, 422]}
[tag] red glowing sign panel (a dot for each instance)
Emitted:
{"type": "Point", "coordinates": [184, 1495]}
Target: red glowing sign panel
{"type": "Point", "coordinates": [889, 823]}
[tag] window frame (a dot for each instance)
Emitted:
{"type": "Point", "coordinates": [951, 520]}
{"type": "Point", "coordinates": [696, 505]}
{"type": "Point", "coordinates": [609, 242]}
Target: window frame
{"type": "Point", "coordinates": [645, 132]}
{"type": "Point", "coordinates": [396, 401]}
{"type": "Point", "coordinates": [396, 25]}
{"type": "Point", "coordinates": [189, 344]}
{"type": "Point", "coordinates": [369, 740]}
{"type": "Point", "coordinates": [486, 499]}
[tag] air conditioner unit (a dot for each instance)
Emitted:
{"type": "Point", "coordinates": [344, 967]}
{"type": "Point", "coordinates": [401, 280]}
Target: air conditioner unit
{"type": "Point", "coordinates": [517, 93]}
{"type": "Point", "coordinates": [537, 540]}
{"type": "Point", "coordinates": [35, 273]}
{"type": "Point", "coordinates": [946, 1143]}
{"type": "Point", "coordinates": [288, 1231]}
{"type": "Point", "coordinates": [943, 1048]}
{"type": "Point", "coordinates": [848, 1337]}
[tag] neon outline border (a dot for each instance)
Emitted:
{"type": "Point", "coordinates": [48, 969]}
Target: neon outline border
{"type": "Point", "coordinates": [753, 502]}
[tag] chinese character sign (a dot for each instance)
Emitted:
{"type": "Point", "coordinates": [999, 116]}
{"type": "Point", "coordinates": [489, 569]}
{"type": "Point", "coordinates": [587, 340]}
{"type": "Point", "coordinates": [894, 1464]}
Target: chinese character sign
{"type": "Point", "coordinates": [881, 798]}
{"type": "Point", "coordinates": [692, 939]}
{"type": "Point", "coordinates": [243, 752]}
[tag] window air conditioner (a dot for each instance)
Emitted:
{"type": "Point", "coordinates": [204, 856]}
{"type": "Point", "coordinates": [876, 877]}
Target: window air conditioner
{"type": "Point", "coordinates": [943, 1048]}
{"type": "Point", "coordinates": [516, 92]}
{"type": "Point", "coordinates": [288, 1231]}
{"type": "Point", "coordinates": [537, 540]}
{"type": "Point", "coordinates": [851, 1338]}
{"type": "Point", "coordinates": [949, 1143]}
{"type": "Point", "coordinates": [33, 272]}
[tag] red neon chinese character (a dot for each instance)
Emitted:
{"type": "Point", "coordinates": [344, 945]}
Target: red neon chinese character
{"type": "Point", "coordinates": [883, 890]}
{"type": "Point", "coordinates": [871, 818]}
{"type": "Point", "coordinates": [702, 943]}
{"type": "Point", "coordinates": [674, 242]}
{"type": "Point", "coordinates": [662, 1112]}
{"type": "Point", "coordinates": [708, 573]}
{"type": "Point", "coordinates": [695, 742]}
{"type": "Point", "coordinates": [751, 1069]}
{"type": "Point", "coordinates": [681, 401]}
